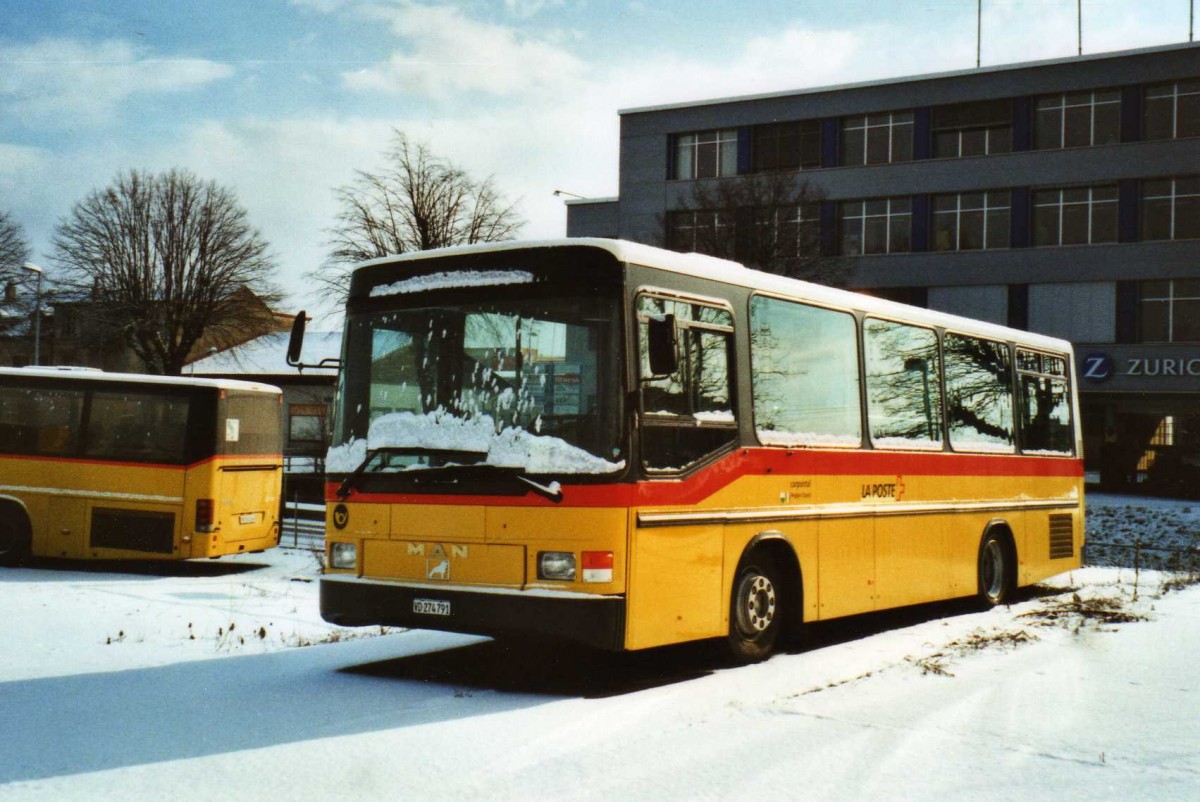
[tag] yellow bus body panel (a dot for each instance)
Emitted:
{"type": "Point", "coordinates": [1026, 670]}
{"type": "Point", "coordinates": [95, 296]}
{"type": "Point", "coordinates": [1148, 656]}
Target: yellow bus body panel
{"type": "Point", "coordinates": [863, 542]}
{"type": "Point", "coordinates": [65, 498]}
{"type": "Point", "coordinates": [479, 544]}
{"type": "Point", "coordinates": [919, 545]}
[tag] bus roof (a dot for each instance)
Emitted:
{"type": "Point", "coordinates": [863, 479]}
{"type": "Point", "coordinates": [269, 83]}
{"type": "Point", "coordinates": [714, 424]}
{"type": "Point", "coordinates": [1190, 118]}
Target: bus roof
{"type": "Point", "coordinates": [728, 272]}
{"type": "Point", "coordinates": [92, 374]}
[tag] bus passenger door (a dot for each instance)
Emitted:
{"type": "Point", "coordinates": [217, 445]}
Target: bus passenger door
{"type": "Point", "coordinates": [686, 423]}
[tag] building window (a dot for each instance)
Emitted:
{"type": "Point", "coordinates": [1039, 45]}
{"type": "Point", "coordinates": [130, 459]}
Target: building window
{"type": "Point", "coordinates": [877, 138]}
{"type": "Point", "coordinates": [1172, 110]}
{"type": "Point", "coordinates": [883, 225]}
{"type": "Point", "coordinates": [1075, 216]}
{"type": "Point", "coordinates": [1171, 208]}
{"type": "Point", "coordinates": [306, 423]}
{"type": "Point", "coordinates": [66, 322]}
{"type": "Point", "coordinates": [786, 146]}
{"type": "Point", "coordinates": [1170, 311]}
{"type": "Point", "coordinates": [1078, 119]}
{"type": "Point", "coordinates": [971, 221]}
{"type": "Point", "coordinates": [706, 155]}
{"type": "Point", "coordinates": [972, 129]}
{"type": "Point", "coordinates": [699, 231]}
{"type": "Point", "coordinates": [789, 231]}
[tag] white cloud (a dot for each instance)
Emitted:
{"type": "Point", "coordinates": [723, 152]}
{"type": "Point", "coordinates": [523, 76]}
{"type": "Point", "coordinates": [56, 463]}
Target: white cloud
{"type": "Point", "coordinates": [445, 52]}
{"type": "Point", "coordinates": [530, 8]}
{"type": "Point", "coordinates": [322, 6]}
{"type": "Point", "coordinates": [18, 159]}
{"type": "Point", "coordinates": [66, 81]}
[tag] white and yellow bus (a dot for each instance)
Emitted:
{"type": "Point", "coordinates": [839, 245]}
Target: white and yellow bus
{"type": "Point", "coordinates": [97, 465]}
{"type": "Point", "coordinates": [629, 447]}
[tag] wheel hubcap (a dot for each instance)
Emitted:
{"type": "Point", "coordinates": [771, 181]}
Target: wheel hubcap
{"type": "Point", "coordinates": [757, 610]}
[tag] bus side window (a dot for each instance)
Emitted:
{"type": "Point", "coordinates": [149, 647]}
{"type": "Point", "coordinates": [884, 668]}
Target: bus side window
{"type": "Point", "coordinates": [41, 422]}
{"type": "Point", "coordinates": [138, 427]}
{"type": "Point", "coordinates": [804, 370]}
{"type": "Point", "coordinates": [904, 381]}
{"type": "Point", "coordinates": [979, 400]}
{"type": "Point", "coordinates": [1045, 403]}
{"type": "Point", "coordinates": [688, 414]}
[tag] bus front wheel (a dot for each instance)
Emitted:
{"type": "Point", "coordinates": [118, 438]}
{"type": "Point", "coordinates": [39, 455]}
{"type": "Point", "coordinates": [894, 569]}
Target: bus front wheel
{"type": "Point", "coordinates": [757, 609]}
{"type": "Point", "coordinates": [996, 570]}
{"type": "Point", "coordinates": [14, 535]}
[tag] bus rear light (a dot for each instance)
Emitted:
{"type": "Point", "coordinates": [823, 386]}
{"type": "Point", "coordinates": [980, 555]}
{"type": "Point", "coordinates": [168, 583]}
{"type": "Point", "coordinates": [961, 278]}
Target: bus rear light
{"type": "Point", "coordinates": [204, 515]}
{"type": "Point", "coordinates": [556, 565]}
{"type": "Point", "coordinates": [597, 566]}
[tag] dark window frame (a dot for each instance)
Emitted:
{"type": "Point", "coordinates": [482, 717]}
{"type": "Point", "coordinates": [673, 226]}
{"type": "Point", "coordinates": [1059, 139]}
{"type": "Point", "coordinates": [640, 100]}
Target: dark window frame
{"type": "Point", "coordinates": [769, 153]}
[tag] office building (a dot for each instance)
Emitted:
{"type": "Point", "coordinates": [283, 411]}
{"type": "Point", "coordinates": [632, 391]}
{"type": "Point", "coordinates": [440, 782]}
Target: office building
{"type": "Point", "coordinates": [1058, 196]}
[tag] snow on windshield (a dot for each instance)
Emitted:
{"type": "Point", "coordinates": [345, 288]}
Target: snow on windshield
{"type": "Point", "coordinates": [442, 430]}
{"type": "Point", "coordinates": [458, 278]}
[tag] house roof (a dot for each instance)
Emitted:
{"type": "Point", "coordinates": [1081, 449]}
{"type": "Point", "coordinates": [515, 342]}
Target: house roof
{"type": "Point", "coordinates": [267, 356]}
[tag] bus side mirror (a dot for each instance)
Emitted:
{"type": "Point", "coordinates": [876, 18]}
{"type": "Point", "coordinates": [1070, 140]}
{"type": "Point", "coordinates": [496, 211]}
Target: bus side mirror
{"type": "Point", "coordinates": [296, 342]}
{"type": "Point", "coordinates": [663, 345]}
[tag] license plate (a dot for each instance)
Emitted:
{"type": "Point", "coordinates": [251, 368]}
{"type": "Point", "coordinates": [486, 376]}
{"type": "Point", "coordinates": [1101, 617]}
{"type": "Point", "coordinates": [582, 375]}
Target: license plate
{"type": "Point", "coordinates": [431, 607]}
{"type": "Point", "coordinates": [248, 518]}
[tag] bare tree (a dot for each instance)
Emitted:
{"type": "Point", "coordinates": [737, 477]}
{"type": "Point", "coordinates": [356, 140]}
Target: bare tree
{"type": "Point", "coordinates": [416, 202]}
{"type": "Point", "coordinates": [14, 250]}
{"type": "Point", "coordinates": [768, 221]}
{"type": "Point", "coordinates": [167, 259]}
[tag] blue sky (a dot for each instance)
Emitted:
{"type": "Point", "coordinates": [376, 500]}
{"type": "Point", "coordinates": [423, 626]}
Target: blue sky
{"type": "Point", "coordinates": [281, 100]}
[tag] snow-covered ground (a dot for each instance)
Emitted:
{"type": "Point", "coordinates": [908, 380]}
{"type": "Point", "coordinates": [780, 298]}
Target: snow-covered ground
{"type": "Point", "coordinates": [218, 680]}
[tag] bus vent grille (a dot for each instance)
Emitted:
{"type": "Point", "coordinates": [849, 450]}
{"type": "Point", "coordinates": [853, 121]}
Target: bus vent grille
{"type": "Point", "coordinates": [133, 530]}
{"type": "Point", "coordinates": [1062, 537]}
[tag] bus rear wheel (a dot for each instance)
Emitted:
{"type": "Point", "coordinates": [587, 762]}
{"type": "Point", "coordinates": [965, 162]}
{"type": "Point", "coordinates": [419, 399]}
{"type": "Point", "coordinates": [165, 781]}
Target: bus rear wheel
{"type": "Point", "coordinates": [996, 566]}
{"type": "Point", "coordinates": [14, 535]}
{"type": "Point", "coordinates": [756, 612]}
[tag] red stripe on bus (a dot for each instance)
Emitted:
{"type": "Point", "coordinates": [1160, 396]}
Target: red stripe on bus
{"type": "Point", "coordinates": [754, 462]}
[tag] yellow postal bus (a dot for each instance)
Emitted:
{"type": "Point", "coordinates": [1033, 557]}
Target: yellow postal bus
{"type": "Point", "coordinates": [111, 465]}
{"type": "Point", "coordinates": [628, 447]}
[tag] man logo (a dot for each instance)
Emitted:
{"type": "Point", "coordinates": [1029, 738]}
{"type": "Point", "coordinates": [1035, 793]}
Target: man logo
{"type": "Point", "coordinates": [1097, 367]}
{"type": "Point", "coordinates": [437, 569]}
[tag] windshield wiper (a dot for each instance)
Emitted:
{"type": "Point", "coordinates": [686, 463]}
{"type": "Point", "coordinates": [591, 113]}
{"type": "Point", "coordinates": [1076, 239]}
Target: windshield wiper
{"type": "Point", "coordinates": [351, 481]}
{"type": "Point", "coordinates": [552, 491]}
{"type": "Point", "coordinates": [477, 471]}
{"type": "Point", "coordinates": [453, 472]}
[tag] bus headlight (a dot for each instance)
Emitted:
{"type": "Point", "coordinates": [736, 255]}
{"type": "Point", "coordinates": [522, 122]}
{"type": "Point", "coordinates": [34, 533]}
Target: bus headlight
{"type": "Point", "coordinates": [343, 555]}
{"type": "Point", "coordinates": [556, 565]}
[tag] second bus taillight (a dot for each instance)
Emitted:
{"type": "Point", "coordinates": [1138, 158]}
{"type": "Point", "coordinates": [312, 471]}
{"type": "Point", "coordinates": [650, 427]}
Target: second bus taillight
{"type": "Point", "coordinates": [204, 515]}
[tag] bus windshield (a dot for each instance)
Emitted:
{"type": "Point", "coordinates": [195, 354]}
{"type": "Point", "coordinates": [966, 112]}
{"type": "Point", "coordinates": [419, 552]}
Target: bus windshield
{"type": "Point", "coordinates": [523, 383]}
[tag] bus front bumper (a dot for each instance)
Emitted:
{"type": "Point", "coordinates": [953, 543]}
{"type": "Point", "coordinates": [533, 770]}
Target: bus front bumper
{"type": "Point", "coordinates": [593, 620]}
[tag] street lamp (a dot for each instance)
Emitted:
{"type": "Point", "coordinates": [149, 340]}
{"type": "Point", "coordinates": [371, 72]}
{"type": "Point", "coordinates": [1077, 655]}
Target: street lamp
{"type": "Point", "coordinates": [37, 315]}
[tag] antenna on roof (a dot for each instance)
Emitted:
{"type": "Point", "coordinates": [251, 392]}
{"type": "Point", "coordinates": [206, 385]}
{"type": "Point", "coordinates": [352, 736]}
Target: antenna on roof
{"type": "Point", "coordinates": [1079, 23]}
{"type": "Point", "coordinates": [978, 30]}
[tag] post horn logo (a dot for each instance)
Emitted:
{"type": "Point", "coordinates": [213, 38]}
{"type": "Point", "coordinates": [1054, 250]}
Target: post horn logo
{"type": "Point", "coordinates": [341, 517]}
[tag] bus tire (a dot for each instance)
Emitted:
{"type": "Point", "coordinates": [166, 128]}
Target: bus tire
{"type": "Point", "coordinates": [757, 609]}
{"type": "Point", "coordinates": [997, 569]}
{"type": "Point", "coordinates": [15, 535]}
